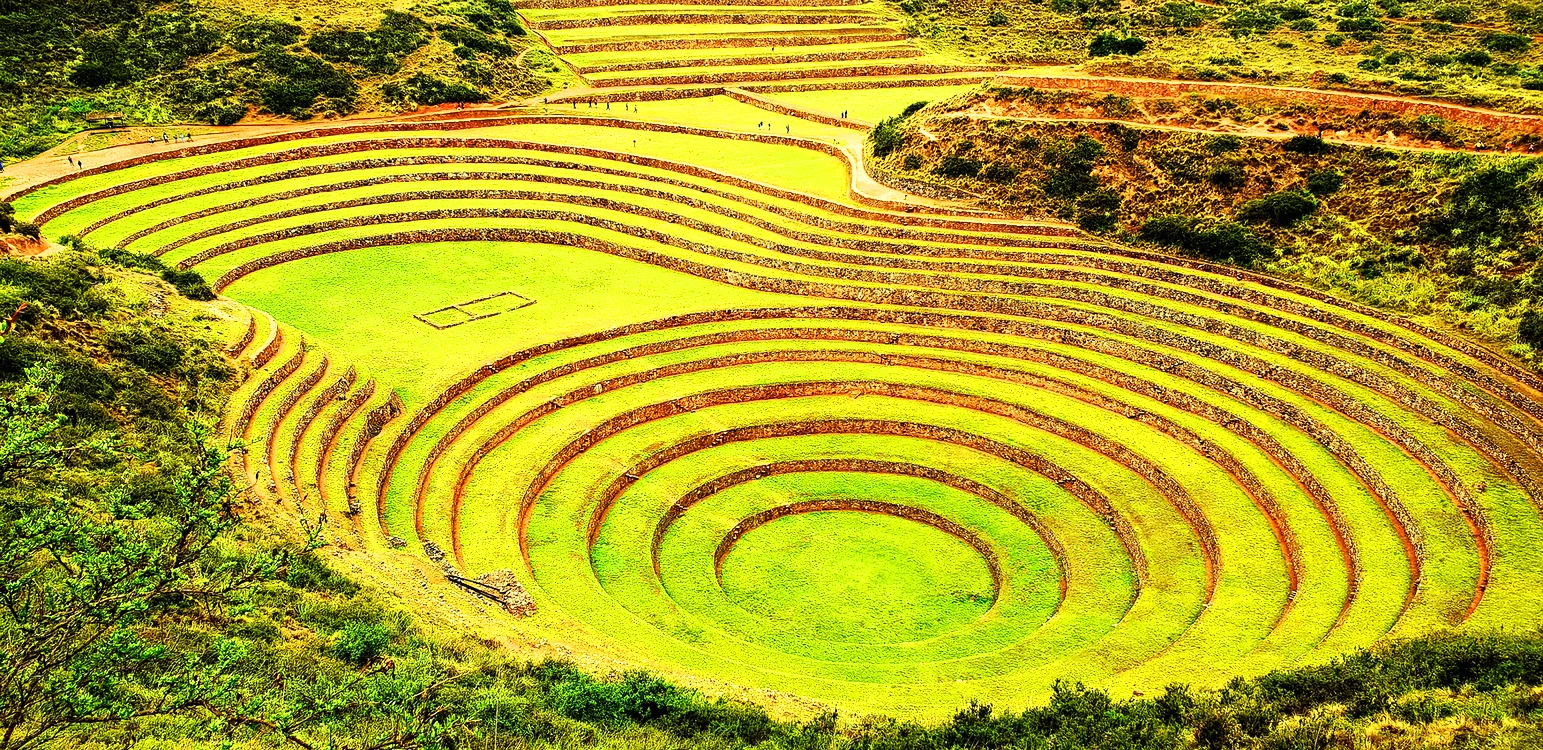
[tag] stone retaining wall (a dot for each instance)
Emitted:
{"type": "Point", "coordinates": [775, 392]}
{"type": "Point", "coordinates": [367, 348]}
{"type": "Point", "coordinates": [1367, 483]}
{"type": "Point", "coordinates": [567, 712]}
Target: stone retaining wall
{"type": "Point", "coordinates": [758, 76]}
{"type": "Point", "coordinates": [856, 54]}
{"type": "Point", "coordinates": [328, 395]}
{"type": "Point", "coordinates": [1343, 99]}
{"type": "Point", "coordinates": [264, 390]}
{"type": "Point", "coordinates": [781, 40]}
{"type": "Point", "coordinates": [705, 17]}
{"type": "Point", "coordinates": [772, 105]}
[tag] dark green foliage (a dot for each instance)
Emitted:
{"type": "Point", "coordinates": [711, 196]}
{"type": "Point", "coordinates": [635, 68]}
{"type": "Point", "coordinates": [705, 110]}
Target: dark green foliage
{"type": "Point", "coordinates": [1306, 144]}
{"type": "Point", "coordinates": [912, 161]}
{"type": "Point", "coordinates": [1453, 13]}
{"type": "Point", "coordinates": [888, 136]}
{"type": "Point", "coordinates": [1250, 19]}
{"type": "Point", "coordinates": [1069, 170]}
{"type": "Point", "coordinates": [1110, 43]}
{"type": "Point", "coordinates": [997, 18]}
{"type": "Point", "coordinates": [158, 42]}
{"type": "Point", "coordinates": [1222, 144]}
{"type": "Point", "coordinates": [424, 90]}
{"type": "Point", "coordinates": [378, 51]}
{"type": "Point", "coordinates": [360, 643]}
{"type": "Point", "coordinates": [1324, 183]}
{"type": "Point", "coordinates": [189, 284]}
{"type": "Point", "coordinates": [636, 698]}
{"type": "Point", "coordinates": [1281, 209]}
{"type": "Point", "coordinates": [958, 166]}
{"type": "Point", "coordinates": [291, 84]}
{"type": "Point", "coordinates": [1229, 175]}
{"type": "Point", "coordinates": [1222, 241]}
{"type": "Point", "coordinates": [1502, 42]}
{"type": "Point", "coordinates": [1000, 173]}
{"type": "Point", "coordinates": [1530, 330]}
{"type": "Point", "coordinates": [1494, 202]}
{"type": "Point", "coordinates": [472, 39]}
{"type": "Point", "coordinates": [152, 348]}
{"type": "Point", "coordinates": [259, 33]}
{"type": "Point", "coordinates": [1476, 57]}
{"type": "Point", "coordinates": [29, 230]}
{"type": "Point", "coordinates": [1096, 211]}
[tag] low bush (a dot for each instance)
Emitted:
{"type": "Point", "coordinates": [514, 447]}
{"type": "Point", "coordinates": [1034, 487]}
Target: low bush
{"type": "Point", "coordinates": [189, 284]}
{"type": "Point", "coordinates": [1281, 209]}
{"type": "Point", "coordinates": [293, 84]}
{"type": "Point", "coordinates": [1306, 144]}
{"type": "Point", "coordinates": [1503, 42]}
{"type": "Point", "coordinates": [378, 51]}
{"type": "Point", "coordinates": [1222, 241]}
{"type": "Point", "coordinates": [1475, 57]}
{"type": "Point", "coordinates": [1110, 43]}
{"type": "Point", "coordinates": [425, 90]}
{"type": "Point", "coordinates": [360, 643]}
{"type": "Point", "coordinates": [1324, 183]}
{"type": "Point", "coordinates": [261, 33]}
{"type": "Point", "coordinates": [958, 166]}
{"type": "Point", "coordinates": [1530, 330]}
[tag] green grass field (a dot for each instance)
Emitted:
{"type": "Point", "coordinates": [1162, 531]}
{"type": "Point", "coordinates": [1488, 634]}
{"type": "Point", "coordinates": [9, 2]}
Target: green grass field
{"type": "Point", "coordinates": [727, 420]}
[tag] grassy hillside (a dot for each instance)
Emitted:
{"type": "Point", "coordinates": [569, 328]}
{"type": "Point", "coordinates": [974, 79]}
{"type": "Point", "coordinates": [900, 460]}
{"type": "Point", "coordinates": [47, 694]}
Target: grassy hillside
{"type": "Point", "coordinates": [163, 64]}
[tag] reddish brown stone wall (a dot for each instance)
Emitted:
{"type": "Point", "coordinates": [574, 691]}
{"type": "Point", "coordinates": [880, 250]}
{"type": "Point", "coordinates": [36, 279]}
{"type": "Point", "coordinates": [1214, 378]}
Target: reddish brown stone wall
{"type": "Point", "coordinates": [1341, 99]}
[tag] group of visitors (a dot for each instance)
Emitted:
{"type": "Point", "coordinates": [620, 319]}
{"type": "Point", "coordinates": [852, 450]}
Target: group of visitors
{"type": "Point", "coordinates": [185, 137]}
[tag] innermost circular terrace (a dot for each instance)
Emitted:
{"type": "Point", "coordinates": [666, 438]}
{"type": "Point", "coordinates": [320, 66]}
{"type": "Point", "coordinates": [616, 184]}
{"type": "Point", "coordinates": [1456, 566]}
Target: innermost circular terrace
{"type": "Point", "coordinates": [858, 575]}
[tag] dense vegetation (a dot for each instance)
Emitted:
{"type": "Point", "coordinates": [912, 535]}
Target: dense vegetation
{"type": "Point", "coordinates": [1467, 51]}
{"type": "Point", "coordinates": [157, 63]}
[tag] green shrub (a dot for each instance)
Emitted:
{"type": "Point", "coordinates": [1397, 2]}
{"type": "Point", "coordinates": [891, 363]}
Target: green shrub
{"type": "Point", "coordinates": [958, 166]}
{"type": "Point", "coordinates": [29, 230]}
{"type": "Point", "coordinates": [913, 108]}
{"type": "Point", "coordinates": [263, 32]}
{"type": "Point", "coordinates": [997, 18]}
{"type": "Point", "coordinates": [1326, 182]}
{"type": "Point", "coordinates": [1306, 144]}
{"type": "Point", "coordinates": [1281, 209]}
{"type": "Point", "coordinates": [912, 161]}
{"type": "Point", "coordinates": [424, 89]}
{"type": "Point", "coordinates": [1475, 57]}
{"type": "Point", "coordinates": [1453, 13]}
{"type": "Point", "coordinates": [887, 137]}
{"type": "Point", "coordinates": [1222, 144]}
{"type": "Point", "coordinates": [378, 51]}
{"type": "Point", "coordinates": [1110, 43]}
{"type": "Point", "coordinates": [1229, 175]}
{"type": "Point", "coordinates": [361, 642]}
{"type": "Point", "coordinates": [1530, 330]}
{"type": "Point", "coordinates": [638, 697]}
{"type": "Point", "coordinates": [189, 284]}
{"type": "Point", "coordinates": [290, 84]}
{"type": "Point", "coordinates": [151, 348]}
{"type": "Point", "coordinates": [1222, 241]}
{"type": "Point", "coordinates": [472, 39]}
{"type": "Point", "coordinates": [1334, 40]}
{"type": "Point", "coordinates": [1000, 173]}
{"type": "Point", "coordinates": [1502, 42]}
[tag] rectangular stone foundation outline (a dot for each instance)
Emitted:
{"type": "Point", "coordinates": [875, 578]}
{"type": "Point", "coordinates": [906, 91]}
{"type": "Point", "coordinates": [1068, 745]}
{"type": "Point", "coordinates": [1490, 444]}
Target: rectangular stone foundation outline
{"type": "Point", "coordinates": [521, 302]}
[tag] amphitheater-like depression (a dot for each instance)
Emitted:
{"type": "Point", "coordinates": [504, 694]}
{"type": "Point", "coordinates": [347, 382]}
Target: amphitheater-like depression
{"type": "Point", "coordinates": [743, 427]}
